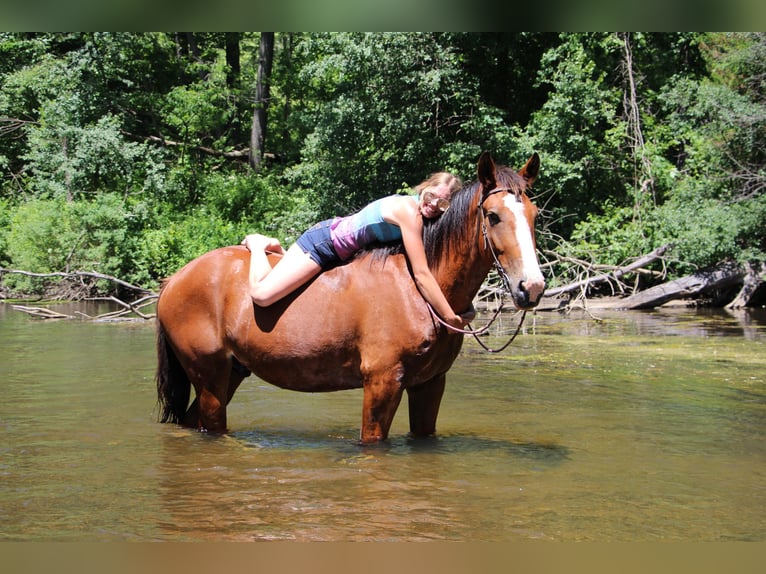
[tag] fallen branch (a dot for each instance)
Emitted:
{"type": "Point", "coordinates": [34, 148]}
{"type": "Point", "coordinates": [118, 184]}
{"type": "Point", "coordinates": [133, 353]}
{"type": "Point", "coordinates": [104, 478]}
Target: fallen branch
{"type": "Point", "coordinates": [79, 274]}
{"type": "Point", "coordinates": [242, 154]}
{"type": "Point", "coordinates": [127, 308]}
{"type": "Point", "coordinates": [615, 275]}
{"type": "Point", "coordinates": [42, 312]}
{"type": "Point", "coordinates": [721, 276]}
{"type": "Point", "coordinates": [754, 279]}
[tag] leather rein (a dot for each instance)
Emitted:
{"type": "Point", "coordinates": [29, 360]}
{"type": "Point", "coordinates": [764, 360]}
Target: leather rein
{"type": "Point", "coordinates": [506, 284]}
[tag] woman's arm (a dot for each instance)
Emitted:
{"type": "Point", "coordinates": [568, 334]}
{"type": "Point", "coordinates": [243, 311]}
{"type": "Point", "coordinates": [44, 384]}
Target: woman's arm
{"type": "Point", "coordinates": [404, 212]}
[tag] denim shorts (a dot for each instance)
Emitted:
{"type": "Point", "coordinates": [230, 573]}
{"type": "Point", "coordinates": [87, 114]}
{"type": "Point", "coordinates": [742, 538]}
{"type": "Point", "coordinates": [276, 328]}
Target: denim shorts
{"type": "Point", "coordinates": [317, 242]}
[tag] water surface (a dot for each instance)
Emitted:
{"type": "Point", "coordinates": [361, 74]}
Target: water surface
{"type": "Point", "coordinates": [640, 426]}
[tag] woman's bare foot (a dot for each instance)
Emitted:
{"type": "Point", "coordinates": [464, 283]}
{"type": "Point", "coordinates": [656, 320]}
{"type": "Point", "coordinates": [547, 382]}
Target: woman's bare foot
{"type": "Point", "coordinates": [257, 242]}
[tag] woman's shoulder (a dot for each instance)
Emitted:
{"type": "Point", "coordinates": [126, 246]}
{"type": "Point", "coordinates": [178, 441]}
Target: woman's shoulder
{"type": "Point", "coordinates": [399, 200]}
{"type": "Point", "coordinates": [398, 208]}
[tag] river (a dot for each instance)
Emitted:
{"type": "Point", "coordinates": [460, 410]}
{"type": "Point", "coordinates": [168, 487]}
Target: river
{"type": "Point", "coordinates": [637, 426]}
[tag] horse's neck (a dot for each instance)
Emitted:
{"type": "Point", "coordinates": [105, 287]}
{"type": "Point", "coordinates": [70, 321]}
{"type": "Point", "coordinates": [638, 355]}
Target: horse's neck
{"type": "Point", "coordinates": [460, 275]}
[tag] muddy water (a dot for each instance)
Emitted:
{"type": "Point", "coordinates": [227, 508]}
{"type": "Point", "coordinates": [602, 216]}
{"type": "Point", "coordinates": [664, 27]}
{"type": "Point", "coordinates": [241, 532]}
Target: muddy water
{"type": "Point", "coordinates": [642, 426]}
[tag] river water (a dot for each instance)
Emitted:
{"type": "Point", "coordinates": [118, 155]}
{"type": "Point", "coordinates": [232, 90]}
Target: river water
{"type": "Point", "coordinates": [638, 426]}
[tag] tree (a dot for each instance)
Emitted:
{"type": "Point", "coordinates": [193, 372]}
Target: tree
{"type": "Point", "coordinates": [262, 87]}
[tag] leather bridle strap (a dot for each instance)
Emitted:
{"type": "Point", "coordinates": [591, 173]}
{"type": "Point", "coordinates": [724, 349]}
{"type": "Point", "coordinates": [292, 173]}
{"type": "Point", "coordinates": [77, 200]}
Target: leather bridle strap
{"type": "Point", "coordinates": [506, 283]}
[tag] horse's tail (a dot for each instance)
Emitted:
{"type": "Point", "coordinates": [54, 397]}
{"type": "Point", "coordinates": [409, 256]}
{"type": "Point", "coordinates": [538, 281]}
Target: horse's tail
{"type": "Point", "coordinates": [173, 386]}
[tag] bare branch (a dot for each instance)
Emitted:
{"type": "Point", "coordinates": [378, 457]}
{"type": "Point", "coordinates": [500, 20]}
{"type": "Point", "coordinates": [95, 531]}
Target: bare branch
{"type": "Point", "coordinates": [79, 274]}
{"type": "Point", "coordinates": [615, 275]}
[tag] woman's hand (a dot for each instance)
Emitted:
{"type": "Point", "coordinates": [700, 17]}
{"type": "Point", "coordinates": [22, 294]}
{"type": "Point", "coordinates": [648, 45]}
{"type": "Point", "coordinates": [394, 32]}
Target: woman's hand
{"type": "Point", "coordinates": [456, 322]}
{"type": "Point", "coordinates": [461, 321]}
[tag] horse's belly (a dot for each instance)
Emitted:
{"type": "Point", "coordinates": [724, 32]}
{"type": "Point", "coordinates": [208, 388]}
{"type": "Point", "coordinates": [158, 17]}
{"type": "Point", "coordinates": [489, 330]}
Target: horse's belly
{"type": "Point", "coordinates": [310, 360]}
{"type": "Point", "coordinates": [310, 374]}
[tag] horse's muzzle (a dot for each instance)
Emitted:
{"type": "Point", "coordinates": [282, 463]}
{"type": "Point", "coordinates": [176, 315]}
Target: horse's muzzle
{"type": "Point", "coordinates": [528, 293]}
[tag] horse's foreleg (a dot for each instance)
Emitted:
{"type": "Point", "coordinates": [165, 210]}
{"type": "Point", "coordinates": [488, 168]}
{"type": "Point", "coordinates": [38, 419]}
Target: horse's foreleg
{"type": "Point", "coordinates": [381, 399]}
{"type": "Point", "coordinates": [424, 401]}
{"type": "Point", "coordinates": [212, 409]}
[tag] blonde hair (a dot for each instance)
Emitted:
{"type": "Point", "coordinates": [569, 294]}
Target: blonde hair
{"type": "Point", "coordinates": [439, 178]}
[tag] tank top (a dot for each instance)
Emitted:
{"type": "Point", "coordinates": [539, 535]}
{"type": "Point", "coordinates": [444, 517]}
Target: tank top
{"type": "Point", "coordinates": [351, 233]}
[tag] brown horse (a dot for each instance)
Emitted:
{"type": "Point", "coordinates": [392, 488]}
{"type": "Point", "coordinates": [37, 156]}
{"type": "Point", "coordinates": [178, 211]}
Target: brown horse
{"type": "Point", "coordinates": [361, 324]}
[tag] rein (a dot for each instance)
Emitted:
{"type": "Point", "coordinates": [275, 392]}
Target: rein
{"type": "Point", "coordinates": [506, 284]}
{"type": "Point", "coordinates": [484, 329]}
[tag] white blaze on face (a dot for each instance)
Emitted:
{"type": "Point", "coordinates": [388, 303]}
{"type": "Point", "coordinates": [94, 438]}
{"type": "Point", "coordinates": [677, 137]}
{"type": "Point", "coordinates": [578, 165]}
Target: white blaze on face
{"type": "Point", "coordinates": [533, 280]}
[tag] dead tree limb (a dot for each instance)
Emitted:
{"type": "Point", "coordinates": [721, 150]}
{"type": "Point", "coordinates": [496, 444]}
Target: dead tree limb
{"type": "Point", "coordinates": [615, 275]}
{"type": "Point", "coordinates": [241, 155]}
{"type": "Point", "coordinates": [721, 276]}
{"type": "Point", "coordinates": [42, 312]}
{"type": "Point", "coordinates": [79, 274]}
{"type": "Point", "coordinates": [754, 279]}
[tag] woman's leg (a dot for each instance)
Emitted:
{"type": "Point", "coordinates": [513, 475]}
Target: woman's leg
{"type": "Point", "coordinates": [267, 284]}
{"type": "Point", "coordinates": [259, 263]}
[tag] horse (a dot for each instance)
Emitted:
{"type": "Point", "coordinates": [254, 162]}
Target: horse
{"type": "Point", "coordinates": [362, 324]}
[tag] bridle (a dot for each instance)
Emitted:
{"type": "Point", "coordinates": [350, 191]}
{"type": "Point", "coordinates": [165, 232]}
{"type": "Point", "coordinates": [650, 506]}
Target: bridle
{"type": "Point", "coordinates": [485, 233]}
{"type": "Point", "coordinates": [503, 276]}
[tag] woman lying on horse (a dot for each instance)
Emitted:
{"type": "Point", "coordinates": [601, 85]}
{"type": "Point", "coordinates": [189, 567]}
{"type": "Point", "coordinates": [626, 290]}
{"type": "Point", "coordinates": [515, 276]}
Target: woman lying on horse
{"type": "Point", "coordinates": [390, 219]}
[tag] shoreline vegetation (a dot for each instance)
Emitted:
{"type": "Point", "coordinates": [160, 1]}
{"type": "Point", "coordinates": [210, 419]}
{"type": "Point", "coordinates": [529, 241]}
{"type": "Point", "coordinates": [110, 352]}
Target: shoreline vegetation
{"type": "Point", "coordinates": [727, 285]}
{"type": "Point", "coordinates": [126, 155]}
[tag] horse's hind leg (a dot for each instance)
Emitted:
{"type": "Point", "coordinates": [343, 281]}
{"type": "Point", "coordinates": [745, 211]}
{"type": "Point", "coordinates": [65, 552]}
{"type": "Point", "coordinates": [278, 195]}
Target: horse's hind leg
{"type": "Point", "coordinates": [210, 376]}
{"type": "Point", "coordinates": [237, 375]}
{"type": "Point", "coordinates": [208, 410]}
{"type": "Point", "coordinates": [424, 401]}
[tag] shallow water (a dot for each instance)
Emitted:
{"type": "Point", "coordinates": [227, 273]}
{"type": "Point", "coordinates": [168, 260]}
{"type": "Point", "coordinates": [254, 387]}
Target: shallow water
{"type": "Point", "coordinates": [642, 426]}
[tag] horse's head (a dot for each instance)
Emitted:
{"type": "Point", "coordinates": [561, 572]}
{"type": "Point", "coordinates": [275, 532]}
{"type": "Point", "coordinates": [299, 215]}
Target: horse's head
{"type": "Point", "coordinates": [508, 225]}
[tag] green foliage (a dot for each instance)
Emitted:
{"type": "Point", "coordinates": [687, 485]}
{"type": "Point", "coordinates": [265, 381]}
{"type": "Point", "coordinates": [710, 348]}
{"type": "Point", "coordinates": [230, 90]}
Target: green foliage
{"type": "Point", "coordinates": [707, 231]}
{"type": "Point", "coordinates": [115, 147]}
{"type": "Point", "coordinates": [614, 237]}
{"type": "Point", "coordinates": [5, 219]}
{"type": "Point", "coordinates": [387, 109]}
{"type": "Point", "coordinates": [167, 248]}
{"type": "Point", "coordinates": [579, 132]}
{"type": "Point", "coordinates": [68, 160]}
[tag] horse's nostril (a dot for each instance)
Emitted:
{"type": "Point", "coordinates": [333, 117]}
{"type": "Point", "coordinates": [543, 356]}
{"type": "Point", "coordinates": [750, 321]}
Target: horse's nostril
{"type": "Point", "coordinates": [533, 290]}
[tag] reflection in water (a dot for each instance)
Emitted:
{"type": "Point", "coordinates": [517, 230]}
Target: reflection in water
{"type": "Point", "coordinates": [286, 485]}
{"type": "Point", "coordinates": [644, 426]}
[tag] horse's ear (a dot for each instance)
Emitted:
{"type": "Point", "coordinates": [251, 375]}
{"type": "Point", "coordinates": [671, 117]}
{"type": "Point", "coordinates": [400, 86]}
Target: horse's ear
{"type": "Point", "coordinates": [531, 169]}
{"type": "Point", "coordinates": [486, 170]}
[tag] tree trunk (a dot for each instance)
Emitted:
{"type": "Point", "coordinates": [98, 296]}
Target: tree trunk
{"type": "Point", "coordinates": [232, 59]}
{"type": "Point", "coordinates": [258, 132]}
{"type": "Point", "coordinates": [721, 276]}
{"type": "Point", "coordinates": [755, 279]}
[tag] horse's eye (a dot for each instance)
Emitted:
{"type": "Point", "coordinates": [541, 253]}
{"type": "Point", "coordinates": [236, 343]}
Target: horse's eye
{"type": "Point", "coordinates": [493, 218]}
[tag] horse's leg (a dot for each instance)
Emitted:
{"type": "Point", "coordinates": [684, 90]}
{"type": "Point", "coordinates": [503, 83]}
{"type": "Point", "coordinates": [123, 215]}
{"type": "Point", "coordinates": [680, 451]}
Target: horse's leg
{"type": "Point", "coordinates": [381, 399]}
{"type": "Point", "coordinates": [424, 401]}
{"type": "Point", "coordinates": [211, 381]}
{"type": "Point", "coordinates": [238, 374]}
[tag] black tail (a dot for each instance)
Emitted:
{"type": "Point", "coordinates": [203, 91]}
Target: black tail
{"type": "Point", "coordinates": [173, 386]}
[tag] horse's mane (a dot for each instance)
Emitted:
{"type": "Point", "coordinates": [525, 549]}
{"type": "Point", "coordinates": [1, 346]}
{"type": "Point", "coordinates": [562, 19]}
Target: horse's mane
{"type": "Point", "coordinates": [448, 232]}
